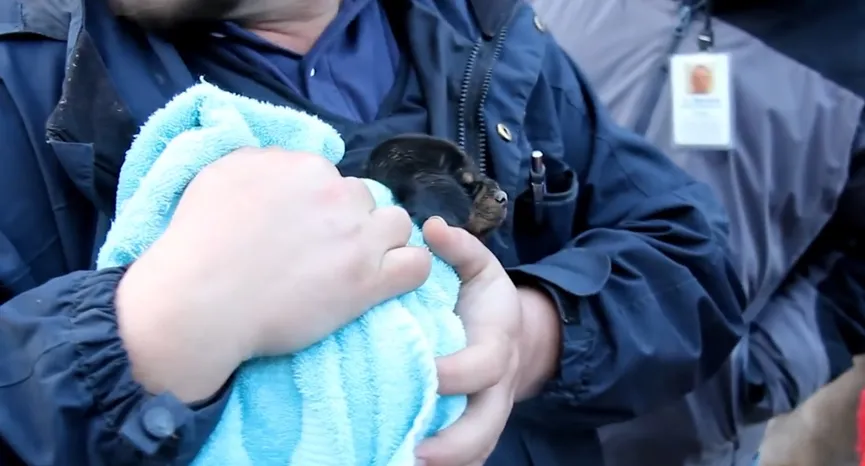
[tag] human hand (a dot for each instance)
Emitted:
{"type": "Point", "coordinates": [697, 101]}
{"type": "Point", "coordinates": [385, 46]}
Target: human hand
{"type": "Point", "coordinates": [267, 252]}
{"type": "Point", "coordinates": [486, 369]}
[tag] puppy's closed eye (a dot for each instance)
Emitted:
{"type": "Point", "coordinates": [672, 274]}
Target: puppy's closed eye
{"type": "Point", "coordinates": [430, 176]}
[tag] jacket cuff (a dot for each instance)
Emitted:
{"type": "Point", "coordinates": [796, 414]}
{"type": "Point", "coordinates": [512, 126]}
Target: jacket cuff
{"type": "Point", "coordinates": [578, 336]}
{"type": "Point", "coordinates": [141, 426]}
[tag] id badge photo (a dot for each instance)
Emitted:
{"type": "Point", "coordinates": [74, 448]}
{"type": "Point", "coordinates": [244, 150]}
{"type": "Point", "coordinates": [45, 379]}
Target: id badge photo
{"type": "Point", "coordinates": [702, 100]}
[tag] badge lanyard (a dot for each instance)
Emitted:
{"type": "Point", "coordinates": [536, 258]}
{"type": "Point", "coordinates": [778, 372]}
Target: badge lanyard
{"type": "Point", "coordinates": [706, 38]}
{"type": "Point", "coordinates": [701, 93]}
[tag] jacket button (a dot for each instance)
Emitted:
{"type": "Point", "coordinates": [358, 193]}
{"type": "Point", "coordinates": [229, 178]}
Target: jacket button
{"type": "Point", "coordinates": [539, 24]}
{"type": "Point", "coordinates": [504, 132]}
{"type": "Point", "coordinates": [159, 422]}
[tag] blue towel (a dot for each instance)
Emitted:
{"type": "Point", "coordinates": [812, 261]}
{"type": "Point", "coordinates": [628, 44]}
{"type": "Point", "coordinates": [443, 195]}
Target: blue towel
{"type": "Point", "coordinates": [364, 396]}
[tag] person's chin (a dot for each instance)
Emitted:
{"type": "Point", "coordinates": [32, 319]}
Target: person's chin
{"type": "Point", "coordinates": [172, 13]}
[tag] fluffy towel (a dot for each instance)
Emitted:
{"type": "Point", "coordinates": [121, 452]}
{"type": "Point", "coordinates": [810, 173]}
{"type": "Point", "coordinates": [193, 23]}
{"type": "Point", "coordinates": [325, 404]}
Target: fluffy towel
{"type": "Point", "coordinates": [364, 396]}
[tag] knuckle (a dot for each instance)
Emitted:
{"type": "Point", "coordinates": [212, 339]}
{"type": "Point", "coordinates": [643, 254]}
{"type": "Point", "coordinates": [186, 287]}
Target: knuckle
{"type": "Point", "coordinates": [312, 162]}
{"type": "Point", "coordinates": [420, 266]}
{"type": "Point", "coordinates": [401, 214]}
{"type": "Point", "coordinates": [295, 164]}
{"type": "Point", "coordinates": [356, 186]}
{"type": "Point", "coordinates": [398, 219]}
{"type": "Point", "coordinates": [403, 219]}
{"type": "Point", "coordinates": [349, 229]}
{"type": "Point", "coordinates": [347, 191]}
{"type": "Point", "coordinates": [336, 191]}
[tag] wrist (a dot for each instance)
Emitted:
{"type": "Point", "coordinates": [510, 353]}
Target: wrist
{"type": "Point", "coordinates": [540, 342]}
{"type": "Point", "coordinates": [174, 342]}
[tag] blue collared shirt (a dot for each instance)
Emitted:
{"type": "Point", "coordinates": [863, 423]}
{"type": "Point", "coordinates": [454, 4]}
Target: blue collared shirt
{"type": "Point", "coordinates": [348, 71]}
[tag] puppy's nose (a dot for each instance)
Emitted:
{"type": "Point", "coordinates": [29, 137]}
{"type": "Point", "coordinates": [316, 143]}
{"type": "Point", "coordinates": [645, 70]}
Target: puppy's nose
{"type": "Point", "coordinates": [501, 197]}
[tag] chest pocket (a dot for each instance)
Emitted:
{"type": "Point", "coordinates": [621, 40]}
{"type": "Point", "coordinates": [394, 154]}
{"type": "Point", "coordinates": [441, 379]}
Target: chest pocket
{"type": "Point", "coordinates": [521, 118]}
{"type": "Point", "coordinates": [543, 220]}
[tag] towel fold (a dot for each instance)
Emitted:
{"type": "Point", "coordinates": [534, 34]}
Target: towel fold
{"type": "Point", "coordinates": [364, 396]}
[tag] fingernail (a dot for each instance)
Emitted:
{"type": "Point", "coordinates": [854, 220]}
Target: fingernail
{"type": "Point", "coordinates": [436, 218]}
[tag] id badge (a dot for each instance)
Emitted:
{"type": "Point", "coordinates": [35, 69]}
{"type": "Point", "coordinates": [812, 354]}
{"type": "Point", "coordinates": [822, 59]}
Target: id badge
{"type": "Point", "coordinates": [701, 90]}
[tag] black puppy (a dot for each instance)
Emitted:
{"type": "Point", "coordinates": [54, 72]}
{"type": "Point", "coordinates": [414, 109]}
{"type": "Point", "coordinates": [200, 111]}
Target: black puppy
{"type": "Point", "coordinates": [430, 176]}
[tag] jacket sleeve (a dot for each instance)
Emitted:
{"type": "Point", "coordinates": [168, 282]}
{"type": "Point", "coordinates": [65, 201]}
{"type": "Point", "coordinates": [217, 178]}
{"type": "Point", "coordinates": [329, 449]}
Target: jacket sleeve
{"type": "Point", "coordinates": [808, 332]}
{"type": "Point", "coordinates": [668, 312]}
{"type": "Point", "coordinates": [66, 391]}
{"type": "Point", "coordinates": [67, 396]}
{"type": "Point", "coordinates": [785, 358]}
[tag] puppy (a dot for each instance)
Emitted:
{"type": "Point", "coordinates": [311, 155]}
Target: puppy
{"type": "Point", "coordinates": [430, 177]}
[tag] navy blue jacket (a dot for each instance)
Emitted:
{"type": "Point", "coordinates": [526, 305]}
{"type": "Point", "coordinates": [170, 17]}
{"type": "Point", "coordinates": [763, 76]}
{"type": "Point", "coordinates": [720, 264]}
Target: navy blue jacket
{"type": "Point", "coordinates": [632, 249]}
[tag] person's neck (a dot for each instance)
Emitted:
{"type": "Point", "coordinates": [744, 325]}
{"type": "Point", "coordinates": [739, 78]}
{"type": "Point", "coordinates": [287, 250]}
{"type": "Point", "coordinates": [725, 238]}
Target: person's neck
{"type": "Point", "coordinates": [293, 25]}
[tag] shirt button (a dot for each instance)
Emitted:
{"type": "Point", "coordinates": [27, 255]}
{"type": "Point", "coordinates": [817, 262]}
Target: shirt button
{"type": "Point", "coordinates": [312, 72]}
{"type": "Point", "coordinates": [159, 423]}
{"type": "Point", "coordinates": [504, 132]}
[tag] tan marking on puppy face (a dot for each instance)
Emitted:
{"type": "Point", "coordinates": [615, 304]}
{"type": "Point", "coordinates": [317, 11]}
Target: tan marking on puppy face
{"type": "Point", "coordinates": [489, 209]}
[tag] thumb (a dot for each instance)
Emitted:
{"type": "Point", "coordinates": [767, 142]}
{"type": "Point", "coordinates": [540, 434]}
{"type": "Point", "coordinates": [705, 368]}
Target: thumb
{"type": "Point", "coordinates": [465, 253]}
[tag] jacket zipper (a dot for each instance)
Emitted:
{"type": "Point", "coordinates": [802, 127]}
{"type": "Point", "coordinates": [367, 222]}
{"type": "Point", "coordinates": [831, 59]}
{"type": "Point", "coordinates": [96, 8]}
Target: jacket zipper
{"type": "Point", "coordinates": [477, 79]}
{"type": "Point", "coordinates": [653, 92]}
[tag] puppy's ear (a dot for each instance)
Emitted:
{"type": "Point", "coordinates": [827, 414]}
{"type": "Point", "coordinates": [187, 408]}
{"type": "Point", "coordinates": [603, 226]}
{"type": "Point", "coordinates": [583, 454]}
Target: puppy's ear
{"type": "Point", "coordinates": [421, 151]}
